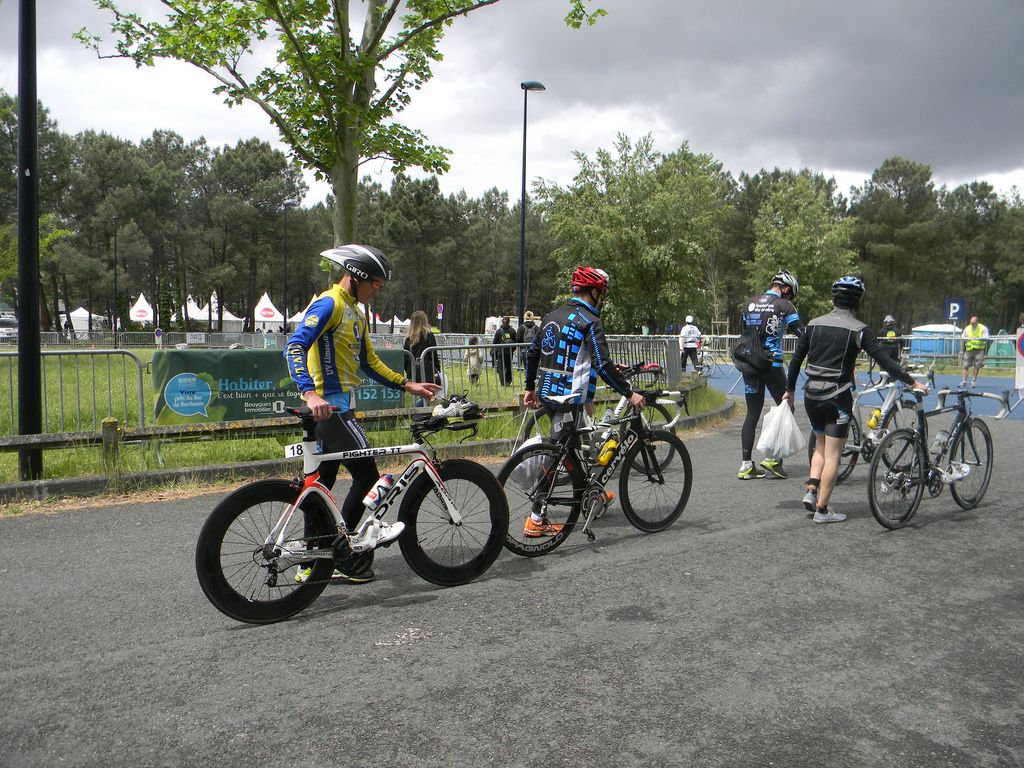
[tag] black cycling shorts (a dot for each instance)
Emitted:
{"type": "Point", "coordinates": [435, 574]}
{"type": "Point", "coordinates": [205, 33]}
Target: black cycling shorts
{"type": "Point", "coordinates": [831, 417]}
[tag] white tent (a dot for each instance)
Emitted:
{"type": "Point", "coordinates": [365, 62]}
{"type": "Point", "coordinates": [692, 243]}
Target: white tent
{"type": "Point", "coordinates": [196, 314]}
{"type": "Point", "coordinates": [80, 319]}
{"type": "Point", "coordinates": [401, 323]}
{"type": "Point", "coordinates": [232, 323]}
{"type": "Point", "coordinates": [266, 316]}
{"type": "Point", "coordinates": [141, 311]}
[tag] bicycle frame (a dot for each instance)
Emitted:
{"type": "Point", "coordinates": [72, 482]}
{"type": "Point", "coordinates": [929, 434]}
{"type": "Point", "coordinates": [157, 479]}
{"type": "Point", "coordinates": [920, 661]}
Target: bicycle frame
{"type": "Point", "coordinates": [359, 540]}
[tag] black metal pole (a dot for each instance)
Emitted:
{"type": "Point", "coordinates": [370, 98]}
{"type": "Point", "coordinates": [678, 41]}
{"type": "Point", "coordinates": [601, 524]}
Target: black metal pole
{"type": "Point", "coordinates": [30, 412]}
{"type": "Point", "coordinates": [522, 223]}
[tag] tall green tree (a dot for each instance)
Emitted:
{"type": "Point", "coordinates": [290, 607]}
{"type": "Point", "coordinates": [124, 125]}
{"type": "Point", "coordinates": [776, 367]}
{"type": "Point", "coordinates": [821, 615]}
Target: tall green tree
{"type": "Point", "coordinates": [654, 222]}
{"type": "Point", "coordinates": [333, 91]}
{"type": "Point", "coordinates": [895, 237]}
{"type": "Point", "coordinates": [799, 229]}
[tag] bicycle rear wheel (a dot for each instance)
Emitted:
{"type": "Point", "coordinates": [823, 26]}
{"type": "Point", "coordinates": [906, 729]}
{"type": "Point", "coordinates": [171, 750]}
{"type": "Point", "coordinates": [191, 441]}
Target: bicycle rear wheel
{"type": "Point", "coordinates": [541, 479]}
{"type": "Point", "coordinates": [896, 479]}
{"type": "Point", "coordinates": [441, 551]}
{"type": "Point", "coordinates": [708, 365]}
{"type": "Point", "coordinates": [973, 451]}
{"type": "Point", "coordinates": [655, 482]}
{"type": "Point", "coordinates": [240, 574]}
{"type": "Point", "coordinates": [851, 450]}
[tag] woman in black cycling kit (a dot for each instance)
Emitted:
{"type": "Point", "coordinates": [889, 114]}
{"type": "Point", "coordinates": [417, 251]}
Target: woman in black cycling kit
{"type": "Point", "coordinates": [831, 344]}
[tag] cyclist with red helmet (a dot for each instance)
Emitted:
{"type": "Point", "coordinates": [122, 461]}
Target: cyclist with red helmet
{"type": "Point", "coordinates": [567, 355]}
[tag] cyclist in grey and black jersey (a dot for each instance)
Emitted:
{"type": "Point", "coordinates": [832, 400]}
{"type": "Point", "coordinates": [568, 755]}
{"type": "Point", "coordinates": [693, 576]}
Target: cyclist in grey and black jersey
{"type": "Point", "coordinates": [831, 344]}
{"type": "Point", "coordinates": [771, 313]}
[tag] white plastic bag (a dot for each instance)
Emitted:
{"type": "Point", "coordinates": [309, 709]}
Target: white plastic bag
{"type": "Point", "coordinates": [528, 473]}
{"type": "Point", "coordinates": [780, 435]}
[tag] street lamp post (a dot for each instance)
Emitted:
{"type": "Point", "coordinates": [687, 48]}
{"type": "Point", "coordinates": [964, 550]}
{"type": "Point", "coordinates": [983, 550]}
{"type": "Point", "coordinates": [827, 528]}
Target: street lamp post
{"type": "Point", "coordinates": [287, 204]}
{"type": "Point", "coordinates": [529, 85]}
{"type": "Point", "coordinates": [114, 318]}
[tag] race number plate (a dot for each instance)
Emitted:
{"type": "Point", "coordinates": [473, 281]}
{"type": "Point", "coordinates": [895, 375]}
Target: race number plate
{"type": "Point", "coordinates": [293, 451]}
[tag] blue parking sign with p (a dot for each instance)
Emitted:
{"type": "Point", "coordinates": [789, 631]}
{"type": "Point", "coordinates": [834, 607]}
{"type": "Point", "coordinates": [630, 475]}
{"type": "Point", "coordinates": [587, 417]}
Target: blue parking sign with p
{"type": "Point", "coordinates": [956, 309]}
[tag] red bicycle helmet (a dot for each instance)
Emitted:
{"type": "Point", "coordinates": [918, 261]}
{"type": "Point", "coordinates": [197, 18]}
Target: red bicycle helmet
{"type": "Point", "coordinates": [585, 278]}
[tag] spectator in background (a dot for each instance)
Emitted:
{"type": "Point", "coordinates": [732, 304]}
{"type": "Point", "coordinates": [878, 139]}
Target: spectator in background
{"type": "Point", "coordinates": [474, 361]}
{"type": "Point", "coordinates": [525, 334]}
{"type": "Point", "coordinates": [975, 342]}
{"type": "Point", "coordinates": [689, 341]}
{"type": "Point", "coordinates": [888, 338]}
{"type": "Point", "coordinates": [419, 338]}
{"type": "Point", "coordinates": [502, 356]}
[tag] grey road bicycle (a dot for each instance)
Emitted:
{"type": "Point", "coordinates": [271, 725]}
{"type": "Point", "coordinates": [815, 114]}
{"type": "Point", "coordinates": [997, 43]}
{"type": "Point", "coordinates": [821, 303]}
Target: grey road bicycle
{"type": "Point", "coordinates": [894, 412]}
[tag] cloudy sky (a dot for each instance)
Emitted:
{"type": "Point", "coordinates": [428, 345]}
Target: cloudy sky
{"type": "Point", "coordinates": [756, 83]}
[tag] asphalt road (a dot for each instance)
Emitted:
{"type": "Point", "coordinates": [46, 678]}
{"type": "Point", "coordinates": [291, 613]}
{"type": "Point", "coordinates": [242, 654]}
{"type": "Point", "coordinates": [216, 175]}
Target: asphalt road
{"type": "Point", "coordinates": [744, 635]}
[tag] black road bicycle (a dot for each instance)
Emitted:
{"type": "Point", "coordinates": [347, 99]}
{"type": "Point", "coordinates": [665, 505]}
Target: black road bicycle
{"type": "Point", "coordinates": [561, 480]}
{"type": "Point", "coordinates": [905, 466]}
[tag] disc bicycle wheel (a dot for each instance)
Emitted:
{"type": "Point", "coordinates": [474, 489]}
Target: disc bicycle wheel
{"type": "Point", "coordinates": [655, 482]}
{"type": "Point", "coordinates": [239, 572]}
{"type": "Point", "coordinates": [896, 479]}
{"type": "Point", "coordinates": [973, 451]}
{"type": "Point", "coordinates": [544, 480]}
{"type": "Point", "coordinates": [850, 453]}
{"type": "Point", "coordinates": [444, 552]}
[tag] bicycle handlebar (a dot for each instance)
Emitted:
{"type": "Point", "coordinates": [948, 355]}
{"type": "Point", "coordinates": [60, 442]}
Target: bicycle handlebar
{"type": "Point", "coordinates": [1003, 399]}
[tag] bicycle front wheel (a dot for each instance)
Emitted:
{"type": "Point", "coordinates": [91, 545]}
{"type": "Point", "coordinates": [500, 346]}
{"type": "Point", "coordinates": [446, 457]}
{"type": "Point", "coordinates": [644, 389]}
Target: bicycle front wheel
{"type": "Point", "coordinates": [708, 365]}
{"type": "Point", "coordinates": [444, 552]}
{"type": "Point", "coordinates": [655, 482]}
{"type": "Point", "coordinates": [896, 479]}
{"type": "Point", "coordinates": [543, 480]}
{"type": "Point", "coordinates": [973, 452]}
{"type": "Point", "coordinates": [239, 572]}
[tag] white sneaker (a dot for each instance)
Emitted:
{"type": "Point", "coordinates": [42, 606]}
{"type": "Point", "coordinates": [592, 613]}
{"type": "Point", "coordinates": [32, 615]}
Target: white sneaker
{"type": "Point", "coordinates": [377, 533]}
{"type": "Point", "coordinates": [810, 501]}
{"type": "Point", "coordinates": [389, 532]}
{"type": "Point", "coordinates": [828, 516]}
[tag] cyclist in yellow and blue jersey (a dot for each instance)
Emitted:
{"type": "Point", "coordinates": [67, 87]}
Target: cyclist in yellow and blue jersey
{"type": "Point", "coordinates": [325, 355]}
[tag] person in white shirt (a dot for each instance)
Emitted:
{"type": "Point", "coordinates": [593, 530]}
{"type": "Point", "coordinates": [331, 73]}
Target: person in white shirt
{"type": "Point", "coordinates": [689, 342]}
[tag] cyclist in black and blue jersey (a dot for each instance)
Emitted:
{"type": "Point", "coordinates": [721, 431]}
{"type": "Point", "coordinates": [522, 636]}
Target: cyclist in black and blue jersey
{"type": "Point", "coordinates": [567, 355]}
{"type": "Point", "coordinates": [771, 313]}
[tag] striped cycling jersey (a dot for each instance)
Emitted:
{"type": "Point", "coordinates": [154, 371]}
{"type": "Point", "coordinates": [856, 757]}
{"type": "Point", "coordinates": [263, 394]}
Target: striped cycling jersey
{"type": "Point", "coordinates": [569, 352]}
{"type": "Point", "coordinates": [771, 315]}
{"type": "Point", "coordinates": [330, 346]}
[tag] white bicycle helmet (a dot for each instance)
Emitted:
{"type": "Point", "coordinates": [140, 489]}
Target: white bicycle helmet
{"type": "Point", "coordinates": [364, 261]}
{"type": "Point", "coordinates": [784, 278]}
{"type": "Point", "coordinates": [689, 319]}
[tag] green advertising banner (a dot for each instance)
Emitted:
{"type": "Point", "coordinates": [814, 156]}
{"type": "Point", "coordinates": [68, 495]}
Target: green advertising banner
{"type": "Point", "coordinates": [228, 384]}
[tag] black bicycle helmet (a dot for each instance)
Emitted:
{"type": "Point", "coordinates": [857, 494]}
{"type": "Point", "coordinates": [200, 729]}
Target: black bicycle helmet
{"type": "Point", "coordinates": [364, 261]}
{"type": "Point", "coordinates": [784, 278]}
{"type": "Point", "coordinates": [848, 289]}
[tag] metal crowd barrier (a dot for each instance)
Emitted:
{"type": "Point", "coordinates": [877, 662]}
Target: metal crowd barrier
{"type": "Point", "coordinates": [80, 388]}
